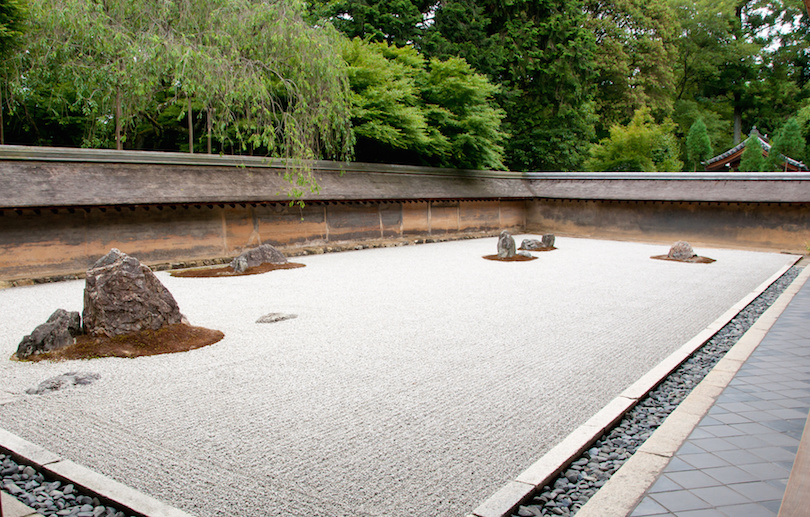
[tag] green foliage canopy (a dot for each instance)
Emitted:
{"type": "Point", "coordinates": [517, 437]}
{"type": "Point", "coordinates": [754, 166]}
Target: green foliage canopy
{"type": "Point", "coordinates": [406, 110]}
{"type": "Point", "coordinates": [641, 146]}
{"type": "Point", "coordinates": [267, 79]}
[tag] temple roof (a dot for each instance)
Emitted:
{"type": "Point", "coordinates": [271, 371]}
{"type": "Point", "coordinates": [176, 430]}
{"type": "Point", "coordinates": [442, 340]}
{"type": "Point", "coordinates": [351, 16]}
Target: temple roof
{"type": "Point", "coordinates": [730, 160]}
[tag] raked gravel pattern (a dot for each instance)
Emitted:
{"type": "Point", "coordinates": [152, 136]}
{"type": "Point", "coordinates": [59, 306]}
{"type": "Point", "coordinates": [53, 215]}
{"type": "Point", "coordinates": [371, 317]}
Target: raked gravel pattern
{"type": "Point", "coordinates": [415, 381]}
{"type": "Point", "coordinates": [586, 474]}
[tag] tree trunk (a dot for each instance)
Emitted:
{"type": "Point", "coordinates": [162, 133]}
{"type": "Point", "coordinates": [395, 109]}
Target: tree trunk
{"type": "Point", "coordinates": [119, 115]}
{"type": "Point", "coordinates": [209, 123]}
{"type": "Point", "coordinates": [2, 142]}
{"type": "Point", "coordinates": [190, 129]}
{"type": "Point", "coordinates": [737, 118]}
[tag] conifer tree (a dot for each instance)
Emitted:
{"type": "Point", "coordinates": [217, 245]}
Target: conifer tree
{"type": "Point", "coordinates": [698, 145]}
{"type": "Point", "coordinates": [752, 159]}
{"type": "Point", "coordinates": [787, 143]}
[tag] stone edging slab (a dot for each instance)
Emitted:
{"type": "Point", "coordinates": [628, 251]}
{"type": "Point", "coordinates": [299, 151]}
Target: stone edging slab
{"type": "Point", "coordinates": [92, 483]}
{"type": "Point", "coordinates": [548, 467]}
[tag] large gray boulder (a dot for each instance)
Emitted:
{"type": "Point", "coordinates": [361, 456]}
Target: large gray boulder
{"type": "Point", "coordinates": [506, 245]}
{"type": "Point", "coordinates": [548, 240]}
{"type": "Point", "coordinates": [264, 254]}
{"type": "Point", "coordinates": [123, 296]}
{"type": "Point", "coordinates": [681, 251]}
{"type": "Point", "coordinates": [59, 331]}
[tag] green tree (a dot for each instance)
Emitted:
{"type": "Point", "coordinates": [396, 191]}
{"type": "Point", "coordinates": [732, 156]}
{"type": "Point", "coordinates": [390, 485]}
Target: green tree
{"type": "Point", "coordinates": [408, 111]}
{"type": "Point", "coordinates": [263, 78]}
{"type": "Point", "coordinates": [752, 159]}
{"type": "Point", "coordinates": [396, 22]}
{"type": "Point", "coordinates": [540, 54]}
{"type": "Point", "coordinates": [642, 146]}
{"type": "Point", "coordinates": [12, 21]}
{"type": "Point", "coordinates": [698, 145]}
{"type": "Point", "coordinates": [787, 143]}
{"type": "Point", "coordinates": [633, 60]}
{"type": "Point", "coordinates": [460, 107]}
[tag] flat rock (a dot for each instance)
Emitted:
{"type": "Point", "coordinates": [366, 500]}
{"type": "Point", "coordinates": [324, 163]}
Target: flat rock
{"type": "Point", "coordinates": [66, 380]}
{"type": "Point", "coordinates": [275, 316]}
{"type": "Point", "coordinates": [123, 296]}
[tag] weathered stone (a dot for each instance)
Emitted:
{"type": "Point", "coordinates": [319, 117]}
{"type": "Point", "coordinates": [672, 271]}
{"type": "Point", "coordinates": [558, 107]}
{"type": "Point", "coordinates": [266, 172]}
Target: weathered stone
{"type": "Point", "coordinates": [66, 380]}
{"type": "Point", "coordinates": [123, 296]}
{"type": "Point", "coordinates": [531, 244]}
{"type": "Point", "coordinates": [506, 245]}
{"type": "Point", "coordinates": [548, 240]}
{"type": "Point", "coordinates": [681, 251]}
{"type": "Point", "coordinates": [264, 254]}
{"type": "Point", "coordinates": [525, 254]}
{"type": "Point", "coordinates": [59, 331]}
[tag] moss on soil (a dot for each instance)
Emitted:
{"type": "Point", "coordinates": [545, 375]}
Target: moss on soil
{"type": "Point", "coordinates": [166, 340]}
{"type": "Point", "coordinates": [228, 270]}
{"type": "Point", "coordinates": [516, 258]}
{"type": "Point", "coordinates": [693, 260]}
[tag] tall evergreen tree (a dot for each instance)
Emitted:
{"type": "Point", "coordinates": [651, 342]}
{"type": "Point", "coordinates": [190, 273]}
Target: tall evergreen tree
{"type": "Point", "coordinates": [752, 159]}
{"type": "Point", "coordinates": [633, 60]}
{"type": "Point", "coordinates": [787, 143]}
{"type": "Point", "coordinates": [541, 55]}
{"type": "Point", "coordinates": [698, 145]}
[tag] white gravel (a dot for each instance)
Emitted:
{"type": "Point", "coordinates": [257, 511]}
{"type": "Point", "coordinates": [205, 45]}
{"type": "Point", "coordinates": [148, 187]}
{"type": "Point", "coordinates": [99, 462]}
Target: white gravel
{"type": "Point", "coordinates": [416, 381]}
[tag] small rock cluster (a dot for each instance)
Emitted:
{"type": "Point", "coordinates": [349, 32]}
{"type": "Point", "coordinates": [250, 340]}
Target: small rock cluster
{"type": "Point", "coordinates": [264, 254]}
{"type": "Point", "coordinates": [121, 296]}
{"type": "Point", "coordinates": [580, 481]}
{"type": "Point", "coordinates": [508, 250]}
{"type": "Point", "coordinates": [49, 498]}
{"type": "Point", "coordinates": [544, 243]}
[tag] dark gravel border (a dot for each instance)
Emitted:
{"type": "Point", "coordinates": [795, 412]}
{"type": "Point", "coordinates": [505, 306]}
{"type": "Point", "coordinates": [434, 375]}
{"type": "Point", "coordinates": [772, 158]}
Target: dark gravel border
{"type": "Point", "coordinates": [586, 474]}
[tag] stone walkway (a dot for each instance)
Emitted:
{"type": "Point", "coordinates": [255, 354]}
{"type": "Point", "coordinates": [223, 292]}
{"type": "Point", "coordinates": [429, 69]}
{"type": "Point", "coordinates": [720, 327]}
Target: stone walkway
{"type": "Point", "coordinates": [737, 460]}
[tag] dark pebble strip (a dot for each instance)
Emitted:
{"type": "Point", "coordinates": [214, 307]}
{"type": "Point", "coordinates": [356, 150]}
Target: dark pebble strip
{"type": "Point", "coordinates": [585, 475]}
{"type": "Point", "coordinates": [49, 498]}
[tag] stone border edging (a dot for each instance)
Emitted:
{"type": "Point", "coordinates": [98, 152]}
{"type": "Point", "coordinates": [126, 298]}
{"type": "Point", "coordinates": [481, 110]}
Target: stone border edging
{"type": "Point", "coordinates": [95, 484]}
{"type": "Point", "coordinates": [623, 491]}
{"type": "Point", "coordinates": [550, 465]}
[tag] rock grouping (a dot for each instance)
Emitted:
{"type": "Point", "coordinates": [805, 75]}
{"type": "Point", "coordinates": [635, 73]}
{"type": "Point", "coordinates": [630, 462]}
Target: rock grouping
{"type": "Point", "coordinates": [49, 498]}
{"type": "Point", "coordinates": [264, 254]}
{"type": "Point", "coordinates": [586, 474]}
{"type": "Point", "coordinates": [122, 297]}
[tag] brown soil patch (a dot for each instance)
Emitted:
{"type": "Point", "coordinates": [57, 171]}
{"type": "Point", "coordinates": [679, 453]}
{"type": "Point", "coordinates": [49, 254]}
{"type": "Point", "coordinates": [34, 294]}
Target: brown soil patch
{"type": "Point", "coordinates": [550, 248]}
{"type": "Point", "coordinates": [166, 340]}
{"type": "Point", "coordinates": [228, 270]}
{"type": "Point", "coordinates": [693, 260]}
{"type": "Point", "coordinates": [516, 258]}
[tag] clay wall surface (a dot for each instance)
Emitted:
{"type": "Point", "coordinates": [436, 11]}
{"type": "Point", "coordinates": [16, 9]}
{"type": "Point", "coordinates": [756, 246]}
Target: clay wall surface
{"type": "Point", "coordinates": [61, 209]}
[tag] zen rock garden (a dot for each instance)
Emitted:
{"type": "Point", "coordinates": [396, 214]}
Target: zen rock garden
{"type": "Point", "coordinates": [127, 312]}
